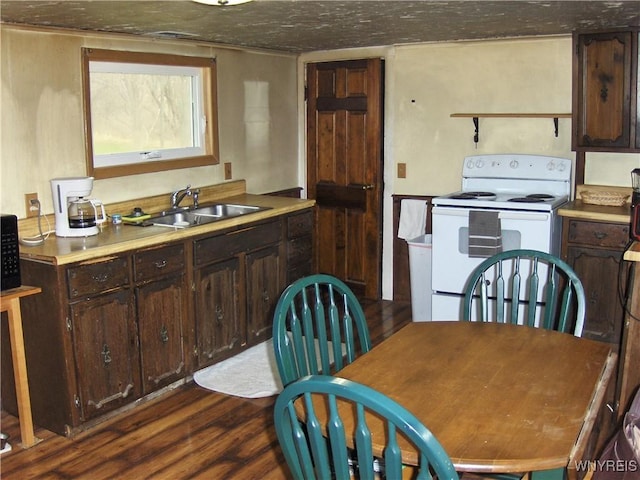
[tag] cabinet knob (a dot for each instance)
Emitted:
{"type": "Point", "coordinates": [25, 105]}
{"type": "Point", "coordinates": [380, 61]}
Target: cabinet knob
{"type": "Point", "coordinates": [600, 235]}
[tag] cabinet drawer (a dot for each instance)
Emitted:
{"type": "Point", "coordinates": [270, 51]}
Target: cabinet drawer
{"type": "Point", "coordinates": [158, 262]}
{"type": "Point", "coordinates": [97, 277]}
{"type": "Point", "coordinates": [233, 243]}
{"type": "Point", "coordinates": [598, 234]}
{"type": "Point", "coordinates": [299, 225]}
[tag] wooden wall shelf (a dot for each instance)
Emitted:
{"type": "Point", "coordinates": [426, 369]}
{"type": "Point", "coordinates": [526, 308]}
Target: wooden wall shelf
{"type": "Point", "coordinates": [477, 116]}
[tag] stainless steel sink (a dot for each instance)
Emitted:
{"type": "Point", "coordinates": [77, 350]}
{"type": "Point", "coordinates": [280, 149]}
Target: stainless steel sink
{"type": "Point", "coordinates": [180, 220]}
{"type": "Point", "coordinates": [202, 215]}
{"type": "Point", "coordinates": [226, 210]}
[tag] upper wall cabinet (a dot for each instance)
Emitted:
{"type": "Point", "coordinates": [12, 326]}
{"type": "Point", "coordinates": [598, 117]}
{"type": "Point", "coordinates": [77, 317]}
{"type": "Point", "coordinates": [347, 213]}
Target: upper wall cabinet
{"type": "Point", "coordinates": [605, 91]}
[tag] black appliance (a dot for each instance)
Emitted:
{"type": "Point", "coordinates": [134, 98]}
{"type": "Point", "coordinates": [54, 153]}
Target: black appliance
{"type": "Point", "coordinates": [10, 252]}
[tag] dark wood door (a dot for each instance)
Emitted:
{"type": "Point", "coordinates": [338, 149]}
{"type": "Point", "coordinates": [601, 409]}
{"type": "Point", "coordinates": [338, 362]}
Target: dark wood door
{"type": "Point", "coordinates": [106, 353]}
{"type": "Point", "coordinates": [602, 91]}
{"type": "Point", "coordinates": [344, 169]}
{"type": "Point", "coordinates": [264, 285]}
{"type": "Point", "coordinates": [220, 317]}
{"type": "Point", "coordinates": [161, 314]}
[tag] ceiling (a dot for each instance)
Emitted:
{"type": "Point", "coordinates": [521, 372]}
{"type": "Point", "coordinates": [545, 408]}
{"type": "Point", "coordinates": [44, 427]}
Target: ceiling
{"type": "Point", "coordinates": [299, 26]}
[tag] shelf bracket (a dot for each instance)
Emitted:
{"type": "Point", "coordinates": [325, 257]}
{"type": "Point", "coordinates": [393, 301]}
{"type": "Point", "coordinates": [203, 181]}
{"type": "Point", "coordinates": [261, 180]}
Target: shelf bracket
{"type": "Point", "coordinates": [555, 124]}
{"type": "Point", "coordinates": [476, 135]}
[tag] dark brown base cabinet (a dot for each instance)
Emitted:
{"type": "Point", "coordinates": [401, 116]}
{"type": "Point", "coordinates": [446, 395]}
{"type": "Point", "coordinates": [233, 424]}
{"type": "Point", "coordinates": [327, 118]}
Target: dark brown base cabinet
{"type": "Point", "coordinates": [108, 333]}
{"type": "Point", "coordinates": [239, 277]}
{"type": "Point", "coordinates": [594, 249]}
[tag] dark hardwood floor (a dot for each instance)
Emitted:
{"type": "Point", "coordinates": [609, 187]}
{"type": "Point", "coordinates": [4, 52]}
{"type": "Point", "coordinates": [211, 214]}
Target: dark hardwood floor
{"type": "Point", "coordinates": [188, 433]}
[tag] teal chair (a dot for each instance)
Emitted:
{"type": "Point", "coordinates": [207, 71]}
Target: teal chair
{"type": "Point", "coordinates": [315, 449]}
{"type": "Point", "coordinates": [318, 327]}
{"type": "Point", "coordinates": [501, 278]}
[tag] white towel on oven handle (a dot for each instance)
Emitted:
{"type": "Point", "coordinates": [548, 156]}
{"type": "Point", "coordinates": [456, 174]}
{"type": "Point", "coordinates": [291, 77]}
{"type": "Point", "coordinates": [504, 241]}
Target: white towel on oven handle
{"type": "Point", "coordinates": [413, 218]}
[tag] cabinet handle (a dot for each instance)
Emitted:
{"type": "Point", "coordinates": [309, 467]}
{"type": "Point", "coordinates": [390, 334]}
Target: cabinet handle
{"type": "Point", "coordinates": [161, 264]}
{"type": "Point", "coordinates": [164, 335]}
{"type": "Point", "coordinates": [219, 313]}
{"type": "Point", "coordinates": [265, 296]}
{"type": "Point", "coordinates": [100, 277]}
{"type": "Point", "coordinates": [106, 355]}
{"type": "Point", "coordinates": [600, 235]}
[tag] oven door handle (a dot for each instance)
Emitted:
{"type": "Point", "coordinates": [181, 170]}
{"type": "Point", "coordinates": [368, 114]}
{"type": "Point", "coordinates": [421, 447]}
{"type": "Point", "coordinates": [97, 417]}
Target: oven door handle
{"type": "Point", "coordinates": [464, 212]}
{"type": "Point", "coordinates": [543, 217]}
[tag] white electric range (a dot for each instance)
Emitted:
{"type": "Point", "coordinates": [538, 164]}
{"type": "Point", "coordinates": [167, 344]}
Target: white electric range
{"type": "Point", "coordinates": [525, 192]}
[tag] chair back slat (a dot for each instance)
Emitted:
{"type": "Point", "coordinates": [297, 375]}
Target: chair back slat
{"type": "Point", "coordinates": [500, 295]}
{"type": "Point", "coordinates": [534, 285]}
{"type": "Point", "coordinates": [337, 440]}
{"type": "Point", "coordinates": [515, 293]}
{"type": "Point", "coordinates": [363, 443]}
{"type": "Point", "coordinates": [544, 291]}
{"type": "Point", "coordinates": [320, 348]}
{"type": "Point", "coordinates": [392, 454]}
{"type": "Point", "coordinates": [318, 327]}
{"type": "Point", "coordinates": [550, 320]}
{"type": "Point", "coordinates": [323, 425]}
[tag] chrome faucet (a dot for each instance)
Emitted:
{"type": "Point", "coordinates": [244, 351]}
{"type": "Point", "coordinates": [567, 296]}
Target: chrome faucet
{"type": "Point", "coordinates": [178, 196]}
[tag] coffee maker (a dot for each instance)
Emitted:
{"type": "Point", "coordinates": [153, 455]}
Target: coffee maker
{"type": "Point", "coordinates": [75, 214]}
{"type": "Point", "coordinates": [635, 204]}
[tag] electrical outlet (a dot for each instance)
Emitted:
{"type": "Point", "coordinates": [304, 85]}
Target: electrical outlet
{"type": "Point", "coordinates": [227, 171]}
{"type": "Point", "coordinates": [32, 210]}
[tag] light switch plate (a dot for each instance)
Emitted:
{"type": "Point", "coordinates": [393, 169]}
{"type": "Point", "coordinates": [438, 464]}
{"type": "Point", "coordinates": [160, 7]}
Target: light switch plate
{"type": "Point", "coordinates": [227, 171]}
{"type": "Point", "coordinates": [402, 170]}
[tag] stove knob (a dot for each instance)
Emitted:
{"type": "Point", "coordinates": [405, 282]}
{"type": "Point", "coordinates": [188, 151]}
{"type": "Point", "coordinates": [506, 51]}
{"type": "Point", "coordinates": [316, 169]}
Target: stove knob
{"type": "Point", "coordinates": [561, 167]}
{"type": "Point", "coordinates": [479, 163]}
{"type": "Point", "coordinates": [551, 166]}
{"type": "Point", "coordinates": [470, 164]}
{"type": "Point", "coordinates": [514, 164]}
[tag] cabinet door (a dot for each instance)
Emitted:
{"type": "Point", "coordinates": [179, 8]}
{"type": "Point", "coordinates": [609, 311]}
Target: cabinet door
{"type": "Point", "coordinates": [603, 89]}
{"type": "Point", "coordinates": [599, 271]}
{"type": "Point", "coordinates": [105, 348]}
{"type": "Point", "coordinates": [220, 316]}
{"type": "Point", "coordinates": [161, 313]}
{"type": "Point", "coordinates": [264, 286]}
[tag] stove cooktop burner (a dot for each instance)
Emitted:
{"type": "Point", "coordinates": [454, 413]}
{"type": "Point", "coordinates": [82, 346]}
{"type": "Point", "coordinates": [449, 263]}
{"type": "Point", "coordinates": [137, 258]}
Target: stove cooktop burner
{"type": "Point", "coordinates": [474, 195]}
{"type": "Point", "coordinates": [542, 196]}
{"type": "Point", "coordinates": [533, 198]}
{"type": "Point", "coordinates": [526, 200]}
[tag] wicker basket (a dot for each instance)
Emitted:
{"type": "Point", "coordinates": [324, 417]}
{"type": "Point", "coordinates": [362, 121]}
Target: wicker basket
{"type": "Point", "coordinates": [609, 199]}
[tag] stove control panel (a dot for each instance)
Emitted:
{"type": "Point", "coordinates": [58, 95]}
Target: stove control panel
{"type": "Point", "coordinates": [538, 167]}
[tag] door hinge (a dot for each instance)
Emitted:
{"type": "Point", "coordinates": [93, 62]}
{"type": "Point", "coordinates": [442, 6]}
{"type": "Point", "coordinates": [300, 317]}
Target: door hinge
{"type": "Point", "coordinates": [306, 93]}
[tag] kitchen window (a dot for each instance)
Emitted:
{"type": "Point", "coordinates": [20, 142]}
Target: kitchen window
{"type": "Point", "coordinates": [148, 112]}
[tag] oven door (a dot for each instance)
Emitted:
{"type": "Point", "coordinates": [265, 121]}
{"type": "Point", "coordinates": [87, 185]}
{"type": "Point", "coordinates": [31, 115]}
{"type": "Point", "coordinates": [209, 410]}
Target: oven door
{"type": "Point", "coordinates": [451, 264]}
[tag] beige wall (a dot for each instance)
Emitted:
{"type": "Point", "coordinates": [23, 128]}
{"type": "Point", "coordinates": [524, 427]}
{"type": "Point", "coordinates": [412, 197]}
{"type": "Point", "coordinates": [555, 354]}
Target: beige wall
{"type": "Point", "coordinates": [426, 83]}
{"type": "Point", "coordinates": [517, 76]}
{"type": "Point", "coordinates": [42, 126]}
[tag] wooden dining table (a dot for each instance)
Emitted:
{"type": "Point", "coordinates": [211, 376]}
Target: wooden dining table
{"type": "Point", "coordinates": [499, 397]}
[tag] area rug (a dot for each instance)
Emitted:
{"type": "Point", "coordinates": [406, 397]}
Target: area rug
{"type": "Point", "coordinates": [250, 374]}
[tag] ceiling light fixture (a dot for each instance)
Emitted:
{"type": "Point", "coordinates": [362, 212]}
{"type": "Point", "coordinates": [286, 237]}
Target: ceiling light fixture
{"type": "Point", "coordinates": [222, 3]}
